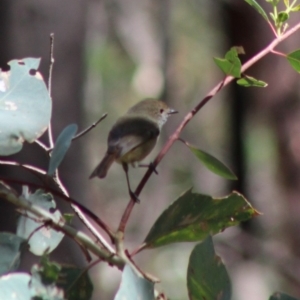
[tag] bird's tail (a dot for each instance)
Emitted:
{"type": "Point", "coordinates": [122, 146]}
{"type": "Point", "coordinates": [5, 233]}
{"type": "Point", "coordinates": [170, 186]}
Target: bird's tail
{"type": "Point", "coordinates": [102, 168]}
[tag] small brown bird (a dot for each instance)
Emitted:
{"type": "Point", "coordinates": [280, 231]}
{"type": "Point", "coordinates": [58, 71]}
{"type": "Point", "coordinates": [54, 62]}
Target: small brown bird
{"type": "Point", "coordinates": [134, 136]}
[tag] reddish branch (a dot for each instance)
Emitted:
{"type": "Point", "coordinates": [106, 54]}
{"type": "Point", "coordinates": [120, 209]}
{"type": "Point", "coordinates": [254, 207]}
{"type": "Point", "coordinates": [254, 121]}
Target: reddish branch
{"type": "Point", "coordinates": [192, 113]}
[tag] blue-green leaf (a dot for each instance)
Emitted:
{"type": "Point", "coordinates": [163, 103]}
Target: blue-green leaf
{"type": "Point", "coordinates": [25, 105]}
{"type": "Point", "coordinates": [134, 287]}
{"type": "Point", "coordinates": [61, 147]}
{"type": "Point", "coordinates": [43, 239]}
{"type": "Point", "coordinates": [11, 247]}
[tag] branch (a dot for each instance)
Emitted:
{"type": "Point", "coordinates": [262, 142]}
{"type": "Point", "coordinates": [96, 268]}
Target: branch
{"type": "Point", "coordinates": [60, 225]}
{"type": "Point", "coordinates": [74, 203]}
{"type": "Point", "coordinates": [85, 131]}
{"type": "Point", "coordinates": [36, 171]}
{"type": "Point", "coordinates": [192, 113]}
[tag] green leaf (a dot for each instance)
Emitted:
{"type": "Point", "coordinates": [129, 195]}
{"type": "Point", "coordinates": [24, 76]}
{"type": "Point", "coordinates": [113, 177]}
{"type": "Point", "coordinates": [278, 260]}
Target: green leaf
{"type": "Point", "coordinates": [212, 163]}
{"type": "Point", "coordinates": [273, 17]}
{"type": "Point", "coordinates": [192, 217]}
{"type": "Point", "coordinates": [75, 282]}
{"type": "Point", "coordinates": [283, 17]}
{"type": "Point", "coordinates": [25, 105]}
{"type": "Point", "coordinates": [281, 296]}
{"type": "Point", "coordinates": [294, 60]}
{"type": "Point", "coordinates": [248, 81]}
{"type": "Point", "coordinates": [61, 147]}
{"type": "Point", "coordinates": [134, 287]}
{"type": "Point", "coordinates": [231, 64]}
{"type": "Point", "coordinates": [296, 8]}
{"type": "Point", "coordinates": [258, 8]}
{"type": "Point", "coordinates": [68, 217]}
{"type": "Point", "coordinates": [42, 290]}
{"type": "Point", "coordinates": [207, 277]}
{"type": "Point", "coordinates": [43, 239]}
{"type": "Point", "coordinates": [11, 247]}
{"type": "Point", "coordinates": [49, 271]}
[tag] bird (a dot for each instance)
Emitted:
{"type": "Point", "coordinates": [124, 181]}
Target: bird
{"type": "Point", "coordinates": [133, 137]}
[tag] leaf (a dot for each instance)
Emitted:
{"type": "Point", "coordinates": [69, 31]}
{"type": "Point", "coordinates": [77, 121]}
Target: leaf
{"type": "Point", "coordinates": [283, 16]}
{"type": "Point", "coordinates": [294, 60]}
{"type": "Point", "coordinates": [49, 271]}
{"type": "Point", "coordinates": [68, 217]}
{"type": "Point", "coordinates": [207, 278]}
{"type": "Point", "coordinates": [231, 64]}
{"type": "Point", "coordinates": [258, 8]}
{"type": "Point", "coordinates": [11, 247]}
{"type": "Point", "coordinates": [296, 8]}
{"type": "Point", "coordinates": [42, 290]}
{"type": "Point", "coordinates": [15, 286]}
{"type": "Point", "coordinates": [76, 282]}
{"type": "Point", "coordinates": [281, 296]}
{"type": "Point", "coordinates": [192, 217]}
{"type": "Point", "coordinates": [248, 81]}
{"type": "Point", "coordinates": [43, 239]}
{"type": "Point", "coordinates": [212, 163]}
{"type": "Point", "coordinates": [25, 105]}
{"type": "Point", "coordinates": [134, 287]}
{"type": "Point", "coordinates": [61, 147]}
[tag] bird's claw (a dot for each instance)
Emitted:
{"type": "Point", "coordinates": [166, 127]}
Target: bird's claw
{"type": "Point", "coordinates": [150, 166]}
{"type": "Point", "coordinates": [134, 197]}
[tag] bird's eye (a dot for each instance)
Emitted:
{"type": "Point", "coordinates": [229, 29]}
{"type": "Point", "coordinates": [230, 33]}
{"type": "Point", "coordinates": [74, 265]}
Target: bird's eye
{"type": "Point", "coordinates": [161, 111]}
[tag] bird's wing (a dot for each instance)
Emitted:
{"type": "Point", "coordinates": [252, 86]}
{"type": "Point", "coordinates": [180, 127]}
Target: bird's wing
{"type": "Point", "coordinates": [129, 133]}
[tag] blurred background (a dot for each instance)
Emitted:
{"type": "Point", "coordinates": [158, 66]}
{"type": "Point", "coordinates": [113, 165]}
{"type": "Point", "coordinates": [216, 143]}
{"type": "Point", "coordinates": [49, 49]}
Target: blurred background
{"type": "Point", "coordinates": [109, 54]}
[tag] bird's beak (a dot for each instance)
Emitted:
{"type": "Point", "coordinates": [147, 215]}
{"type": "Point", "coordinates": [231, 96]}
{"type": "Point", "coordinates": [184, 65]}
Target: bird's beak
{"type": "Point", "coordinates": [172, 111]}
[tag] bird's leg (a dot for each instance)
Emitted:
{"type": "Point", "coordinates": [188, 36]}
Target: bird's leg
{"type": "Point", "coordinates": [150, 166]}
{"type": "Point", "coordinates": [131, 193]}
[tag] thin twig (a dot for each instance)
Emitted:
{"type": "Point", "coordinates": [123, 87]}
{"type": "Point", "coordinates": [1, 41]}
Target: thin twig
{"type": "Point", "coordinates": [50, 135]}
{"type": "Point", "coordinates": [273, 29]}
{"type": "Point", "coordinates": [51, 58]}
{"type": "Point", "coordinates": [279, 53]}
{"type": "Point", "coordinates": [42, 145]}
{"type": "Point", "coordinates": [191, 114]}
{"type": "Point", "coordinates": [83, 218]}
{"type": "Point", "coordinates": [56, 177]}
{"type": "Point", "coordinates": [85, 131]}
{"type": "Point", "coordinates": [60, 184]}
{"type": "Point", "coordinates": [30, 168]}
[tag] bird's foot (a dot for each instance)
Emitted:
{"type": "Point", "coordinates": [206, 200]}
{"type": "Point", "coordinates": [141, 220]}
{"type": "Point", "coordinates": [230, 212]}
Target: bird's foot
{"type": "Point", "coordinates": [134, 197]}
{"type": "Point", "coordinates": [150, 166]}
